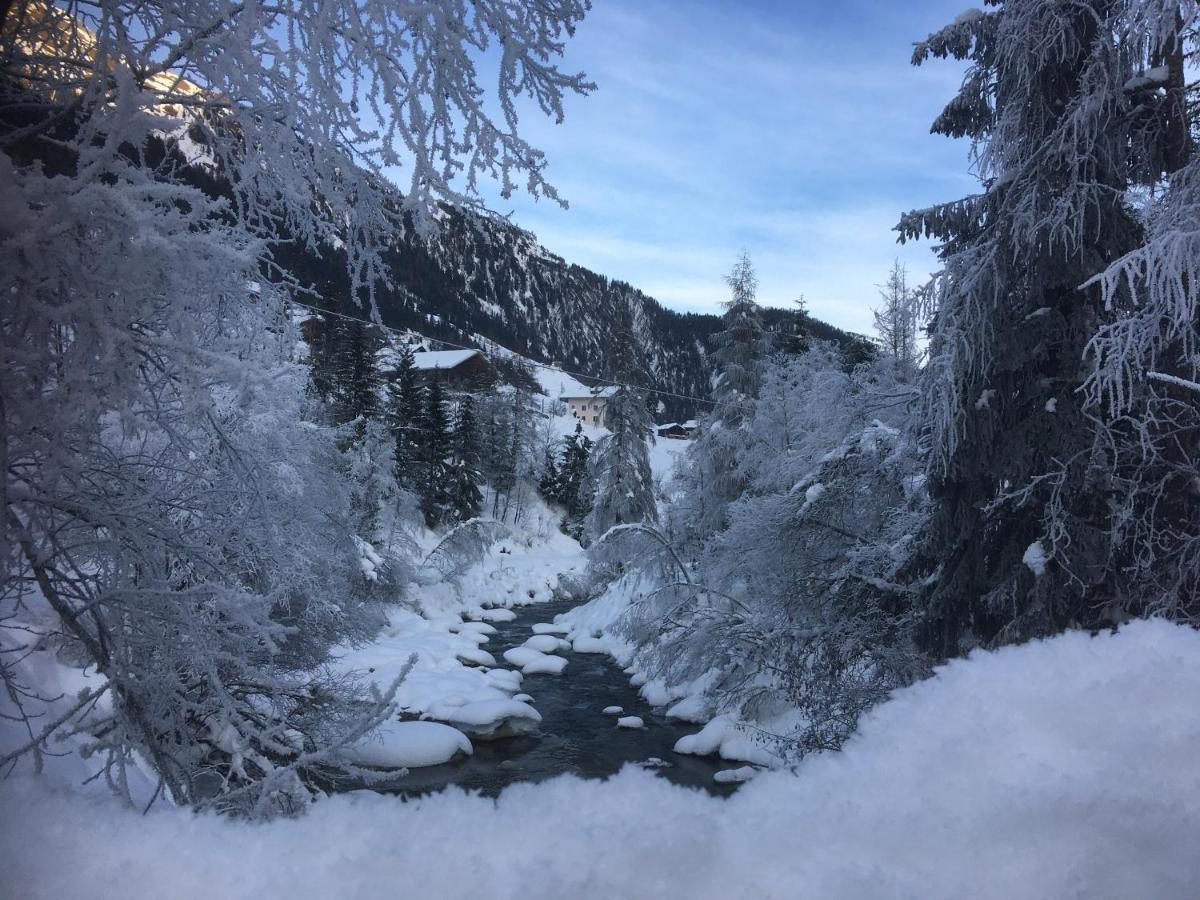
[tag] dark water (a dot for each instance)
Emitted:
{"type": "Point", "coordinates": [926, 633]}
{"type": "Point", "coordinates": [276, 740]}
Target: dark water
{"type": "Point", "coordinates": [574, 736]}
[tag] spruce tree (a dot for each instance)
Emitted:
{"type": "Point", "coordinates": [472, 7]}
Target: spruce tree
{"type": "Point", "coordinates": [406, 413]}
{"type": "Point", "coordinates": [465, 498]}
{"type": "Point", "coordinates": [1018, 544]}
{"type": "Point", "coordinates": [436, 448]}
{"type": "Point", "coordinates": [713, 480]}
{"type": "Point", "coordinates": [624, 488]}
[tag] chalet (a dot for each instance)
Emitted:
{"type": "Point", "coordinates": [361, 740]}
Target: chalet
{"type": "Point", "coordinates": [589, 407]}
{"type": "Point", "coordinates": [679, 431]}
{"type": "Point", "coordinates": [457, 368]}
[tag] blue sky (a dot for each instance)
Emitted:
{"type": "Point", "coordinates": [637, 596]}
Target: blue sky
{"type": "Point", "coordinates": [796, 130]}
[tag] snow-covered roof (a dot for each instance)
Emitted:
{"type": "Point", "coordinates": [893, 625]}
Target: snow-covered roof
{"type": "Point", "coordinates": [590, 393]}
{"type": "Point", "coordinates": [442, 359]}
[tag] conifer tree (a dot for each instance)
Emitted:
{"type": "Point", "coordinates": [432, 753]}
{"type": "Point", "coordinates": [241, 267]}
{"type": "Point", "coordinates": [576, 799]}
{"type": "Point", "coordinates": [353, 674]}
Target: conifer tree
{"type": "Point", "coordinates": [436, 449]}
{"type": "Point", "coordinates": [1019, 540]}
{"type": "Point", "coordinates": [406, 412]}
{"type": "Point", "coordinates": [896, 321]}
{"type": "Point", "coordinates": [624, 488]}
{"type": "Point", "coordinates": [713, 480]}
{"type": "Point", "coordinates": [465, 498]}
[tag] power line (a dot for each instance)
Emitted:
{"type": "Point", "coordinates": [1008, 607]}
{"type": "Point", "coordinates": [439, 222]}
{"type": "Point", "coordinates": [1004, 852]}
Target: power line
{"type": "Point", "coordinates": [397, 331]}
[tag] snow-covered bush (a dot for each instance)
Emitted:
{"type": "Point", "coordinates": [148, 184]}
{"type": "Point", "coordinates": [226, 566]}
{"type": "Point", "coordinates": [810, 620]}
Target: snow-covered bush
{"type": "Point", "coordinates": [198, 538]}
{"type": "Point", "coordinates": [794, 613]}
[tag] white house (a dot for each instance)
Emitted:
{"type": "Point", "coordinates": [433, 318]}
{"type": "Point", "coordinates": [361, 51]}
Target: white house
{"type": "Point", "coordinates": [589, 407]}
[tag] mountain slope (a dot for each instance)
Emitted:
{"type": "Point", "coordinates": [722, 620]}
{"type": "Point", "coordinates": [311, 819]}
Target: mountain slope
{"type": "Point", "coordinates": [478, 278]}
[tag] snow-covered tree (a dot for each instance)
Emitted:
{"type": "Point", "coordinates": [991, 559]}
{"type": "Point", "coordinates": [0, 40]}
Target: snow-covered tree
{"type": "Point", "coordinates": [405, 409]}
{"type": "Point", "coordinates": [1071, 107]}
{"type": "Point", "coordinates": [896, 320]}
{"type": "Point", "coordinates": [711, 478]}
{"type": "Point", "coordinates": [434, 480]}
{"type": "Point", "coordinates": [163, 497]}
{"type": "Point", "coordinates": [465, 497]}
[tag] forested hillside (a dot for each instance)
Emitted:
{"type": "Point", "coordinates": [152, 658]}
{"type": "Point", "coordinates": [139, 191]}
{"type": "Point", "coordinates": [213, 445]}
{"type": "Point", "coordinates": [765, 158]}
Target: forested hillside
{"type": "Point", "coordinates": [478, 277]}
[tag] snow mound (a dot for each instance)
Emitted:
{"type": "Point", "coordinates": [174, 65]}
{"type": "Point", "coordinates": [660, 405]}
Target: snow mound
{"type": "Point", "coordinates": [727, 739]}
{"type": "Point", "coordinates": [630, 722]}
{"type": "Point", "coordinates": [409, 745]}
{"type": "Point", "coordinates": [522, 656]}
{"type": "Point", "coordinates": [497, 615]}
{"type": "Point", "coordinates": [477, 657]}
{"type": "Point", "coordinates": [547, 665]}
{"type": "Point", "coordinates": [589, 645]}
{"type": "Point", "coordinates": [547, 643]}
{"type": "Point", "coordinates": [535, 662]}
{"type": "Point", "coordinates": [694, 708]}
{"type": "Point", "coordinates": [613, 710]}
{"type": "Point", "coordinates": [550, 628]}
{"type": "Point", "coordinates": [735, 776]}
{"type": "Point", "coordinates": [490, 719]}
{"type": "Point", "coordinates": [479, 627]}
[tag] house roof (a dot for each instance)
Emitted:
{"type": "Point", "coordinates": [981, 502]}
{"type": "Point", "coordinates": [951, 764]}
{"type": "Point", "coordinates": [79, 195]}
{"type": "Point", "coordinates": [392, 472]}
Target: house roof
{"type": "Point", "coordinates": [442, 359]}
{"type": "Point", "coordinates": [601, 392]}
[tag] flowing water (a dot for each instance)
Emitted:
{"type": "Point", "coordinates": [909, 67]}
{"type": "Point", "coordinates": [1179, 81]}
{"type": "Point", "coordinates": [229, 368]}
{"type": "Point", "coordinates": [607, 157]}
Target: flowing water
{"type": "Point", "coordinates": [574, 735]}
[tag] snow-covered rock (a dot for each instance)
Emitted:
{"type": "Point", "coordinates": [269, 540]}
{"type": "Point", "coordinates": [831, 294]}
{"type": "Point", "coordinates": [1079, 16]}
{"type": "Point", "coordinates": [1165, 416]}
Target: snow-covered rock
{"type": "Point", "coordinates": [550, 628]}
{"type": "Point", "coordinates": [589, 645]}
{"type": "Point", "coordinates": [491, 719]}
{"type": "Point", "coordinates": [535, 662]}
{"type": "Point", "coordinates": [630, 722]}
{"type": "Point", "coordinates": [409, 745]}
{"type": "Point", "coordinates": [497, 615]}
{"type": "Point", "coordinates": [725, 738]}
{"type": "Point", "coordinates": [735, 776]}
{"type": "Point", "coordinates": [613, 710]}
{"type": "Point", "coordinates": [477, 657]}
{"type": "Point", "coordinates": [547, 643]}
{"type": "Point", "coordinates": [522, 656]}
{"type": "Point", "coordinates": [547, 665]}
{"type": "Point", "coordinates": [694, 708]}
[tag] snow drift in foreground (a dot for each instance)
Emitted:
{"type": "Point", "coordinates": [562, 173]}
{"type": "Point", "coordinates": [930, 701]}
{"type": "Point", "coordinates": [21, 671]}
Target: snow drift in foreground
{"type": "Point", "coordinates": [1065, 767]}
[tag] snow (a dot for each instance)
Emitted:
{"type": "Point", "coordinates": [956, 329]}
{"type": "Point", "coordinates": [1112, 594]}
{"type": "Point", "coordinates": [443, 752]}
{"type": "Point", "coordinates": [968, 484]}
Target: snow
{"type": "Point", "coordinates": [550, 628]}
{"type": "Point", "coordinates": [521, 656]}
{"type": "Point", "coordinates": [487, 719]}
{"type": "Point", "coordinates": [409, 745]}
{"type": "Point", "coordinates": [442, 359]}
{"type": "Point", "coordinates": [497, 615]}
{"type": "Point", "coordinates": [589, 645]}
{"type": "Point", "coordinates": [1052, 405]}
{"type": "Point", "coordinates": [613, 710]}
{"type": "Point", "coordinates": [726, 738]}
{"type": "Point", "coordinates": [1035, 558]}
{"type": "Point", "coordinates": [547, 665]}
{"type": "Point", "coordinates": [535, 662]}
{"type": "Point", "coordinates": [735, 776]}
{"type": "Point", "coordinates": [547, 643]}
{"type": "Point", "coordinates": [1060, 768]}
{"type": "Point", "coordinates": [630, 722]}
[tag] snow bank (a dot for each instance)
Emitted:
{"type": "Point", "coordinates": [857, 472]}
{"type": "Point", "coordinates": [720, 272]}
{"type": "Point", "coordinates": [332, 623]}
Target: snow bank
{"type": "Point", "coordinates": [409, 745]}
{"type": "Point", "coordinates": [1062, 768]}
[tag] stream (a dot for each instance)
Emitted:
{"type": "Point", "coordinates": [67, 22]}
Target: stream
{"type": "Point", "coordinates": [574, 735]}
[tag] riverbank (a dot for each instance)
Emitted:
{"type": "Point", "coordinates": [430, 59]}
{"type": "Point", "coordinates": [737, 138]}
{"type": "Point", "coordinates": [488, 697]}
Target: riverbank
{"type": "Point", "coordinates": [1063, 767]}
